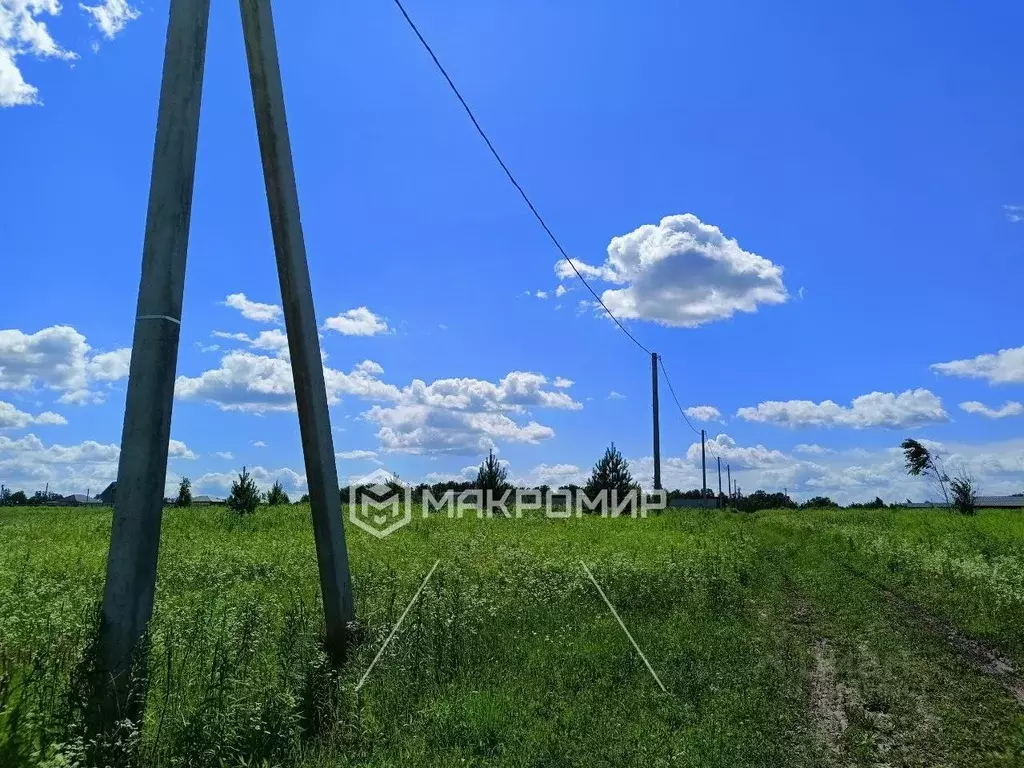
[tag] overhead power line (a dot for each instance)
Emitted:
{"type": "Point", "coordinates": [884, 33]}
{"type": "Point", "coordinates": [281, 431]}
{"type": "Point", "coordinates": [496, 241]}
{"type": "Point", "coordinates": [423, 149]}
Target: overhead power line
{"type": "Point", "coordinates": [682, 412]}
{"type": "Point", "coordinates": [533, 209]}
{"type": "Point", "coordinates": [672, 390]}
{"type": "Point", "coordinates": [511, 178]}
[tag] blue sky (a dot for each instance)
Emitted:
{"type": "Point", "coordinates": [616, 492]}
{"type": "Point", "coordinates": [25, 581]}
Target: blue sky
{"type": "Point", "coordinates": [862, 167]}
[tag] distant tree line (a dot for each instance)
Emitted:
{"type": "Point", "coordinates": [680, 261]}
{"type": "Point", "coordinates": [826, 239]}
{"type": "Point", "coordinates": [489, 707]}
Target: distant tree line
{"type": "Point", "coordinates": [611, 472]}
{"type": "Point", "coordinates": [9, 498]}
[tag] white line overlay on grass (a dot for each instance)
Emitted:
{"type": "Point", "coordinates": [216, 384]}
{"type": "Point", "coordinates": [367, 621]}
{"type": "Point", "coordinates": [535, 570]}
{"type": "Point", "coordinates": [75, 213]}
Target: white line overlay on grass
{"type": "Point", "coordinates": [394, 629]}
{"type": "Point", "coordinates": [616, 615]}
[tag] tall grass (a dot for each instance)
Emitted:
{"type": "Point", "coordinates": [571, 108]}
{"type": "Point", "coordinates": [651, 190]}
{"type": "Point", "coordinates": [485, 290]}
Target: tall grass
{"type": "Point", "coordinates": [509, 657]}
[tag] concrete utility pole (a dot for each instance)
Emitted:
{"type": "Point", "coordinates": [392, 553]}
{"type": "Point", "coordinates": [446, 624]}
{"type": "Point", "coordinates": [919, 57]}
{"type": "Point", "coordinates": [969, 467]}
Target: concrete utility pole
{"type": "Point", "coordinates": [142, 466]}
{"type": "Point", "coordinates": [142, 469]}
{"type": "Point", "coordinates": [719, 458]}
{"type": "Point", "coordinates": [703, 469]}
{"type": "Point", "coordinates": [300, 323]}
{"type": "Point", "coordinates": [728, 475]}
{"type": "Point", "coordinates": [657, 434]}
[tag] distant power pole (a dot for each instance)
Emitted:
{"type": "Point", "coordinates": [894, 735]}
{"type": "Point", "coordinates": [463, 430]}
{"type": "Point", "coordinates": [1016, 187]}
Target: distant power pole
{"type": "Point", "coordinates": [719, 475]}
{"type": "Point", "coordinates": [657, 434]}
{"type": "Point", "coordinates": [703, 468]}
{"type": "Point", "coordinates": [728, 474]}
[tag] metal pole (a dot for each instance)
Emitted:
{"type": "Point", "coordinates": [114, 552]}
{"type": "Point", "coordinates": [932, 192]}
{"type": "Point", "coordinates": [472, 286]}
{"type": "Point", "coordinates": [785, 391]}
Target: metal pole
{"type": "Point", "coordinates": [703, 468]}
{"type": "Point", "coordinates": [657, 434]}
{"type": "Point", "coordinates": [300, 323]}
{"type": "Point", "coordinates": [719, 475]}
{"type": "Point", "coordinates": [142, 467]}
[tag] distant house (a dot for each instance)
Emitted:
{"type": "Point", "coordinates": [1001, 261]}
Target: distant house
{"type": "Point", "coordinates": [982, 502]}
{"type": "Point", "coordinates": [1010, 502]}
{"type": "Point", "coordinates": [208, 500]}
{"type": "Point", "coordinates": [107, 497]}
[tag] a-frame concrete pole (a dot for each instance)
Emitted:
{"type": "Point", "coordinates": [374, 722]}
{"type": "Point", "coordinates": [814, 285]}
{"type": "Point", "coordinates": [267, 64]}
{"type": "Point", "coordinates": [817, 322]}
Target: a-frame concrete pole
{"type": "Point", "coordinates": [300, 323]}
{"type": "Point", "coordinates": [142, 467]}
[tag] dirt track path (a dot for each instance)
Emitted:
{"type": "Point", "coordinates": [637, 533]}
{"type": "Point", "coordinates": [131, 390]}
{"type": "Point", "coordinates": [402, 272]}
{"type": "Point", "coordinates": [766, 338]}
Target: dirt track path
{"type": "Point", "coordinates": [890, 685]}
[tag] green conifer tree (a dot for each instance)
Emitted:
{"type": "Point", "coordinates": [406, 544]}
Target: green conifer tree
{"type": "Point", "coordinates": [245, 496]}
{"type": "Point", "coordinates": [611, 473]}
{"type": "Point", "coordinates": [184, 493]}
{"type": "Point", "coordinates": [276, 495]}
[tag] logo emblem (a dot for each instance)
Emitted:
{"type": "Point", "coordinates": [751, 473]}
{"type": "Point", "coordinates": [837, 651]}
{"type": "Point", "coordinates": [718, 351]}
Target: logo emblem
{"type": "Point", "coordinates": [381, 505]}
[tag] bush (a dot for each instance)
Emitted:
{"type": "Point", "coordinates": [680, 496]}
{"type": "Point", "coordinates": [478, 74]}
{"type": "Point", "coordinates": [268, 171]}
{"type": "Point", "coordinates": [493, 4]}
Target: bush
{"type": "Point", "coordinates": [876, 504]}
{"type": "Point", "coordinates": [245, 496]}
{"type": "Point", "coordinates": [965, 496]}
{"type": "Point", "coordinates": [819, 502]}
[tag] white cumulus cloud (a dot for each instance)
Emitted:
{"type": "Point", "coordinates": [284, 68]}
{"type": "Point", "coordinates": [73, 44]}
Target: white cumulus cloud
{"type": "Point", "coordinates": [260, 384]}
{"type": "Point", "coordinates": [29, 464]}
{"type": "Point", "coordinates": [111, 16]}
{"type": "Point", "coordinates": [111, 366]}
{"type": "Point", "coordinates": [811, 449]}
{"type": "Point", "coordinates": [466, 416]}
{"type": "Point", "coordinates": [1004, 367]}
{"type": "Point", "coordinates": [1009, 408]}
{"type": "Point", "coordinates": [58, 358]}
{"type": "Point", "coordinates": [422, 429]}
{"type": "Point", "coordinates": [12, 418]}
{"type": "Point", "coordinates": [357, 322]}
{"type": "Point", "coordinates": [356, 455]}
{"type": "Point", "coordinates": [273, 340]}
{"type": "Point", "coordinates": [24, 33]}
{"type": "Point", "coordinates": [682, 272]}
{"type": "Point", "coordinates": [254, 310]}
{"type": "Point", "coordinates": [176, 449]}
{"type": "Point", "coordinates": [877, 409]}
{"type": "Point", "coordinates": [293, 482]}
{"type": "Point", "coordinates": [726, 448]}
{"type": "Point", "coordinates": [443, 416]}
{"type": "Point", "coordinates": [704, 413]}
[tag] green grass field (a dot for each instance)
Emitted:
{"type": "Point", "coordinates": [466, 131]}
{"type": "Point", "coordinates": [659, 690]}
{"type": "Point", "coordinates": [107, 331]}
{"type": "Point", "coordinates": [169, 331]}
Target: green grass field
{"type": "Point", "coordinates": [782, 638]}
